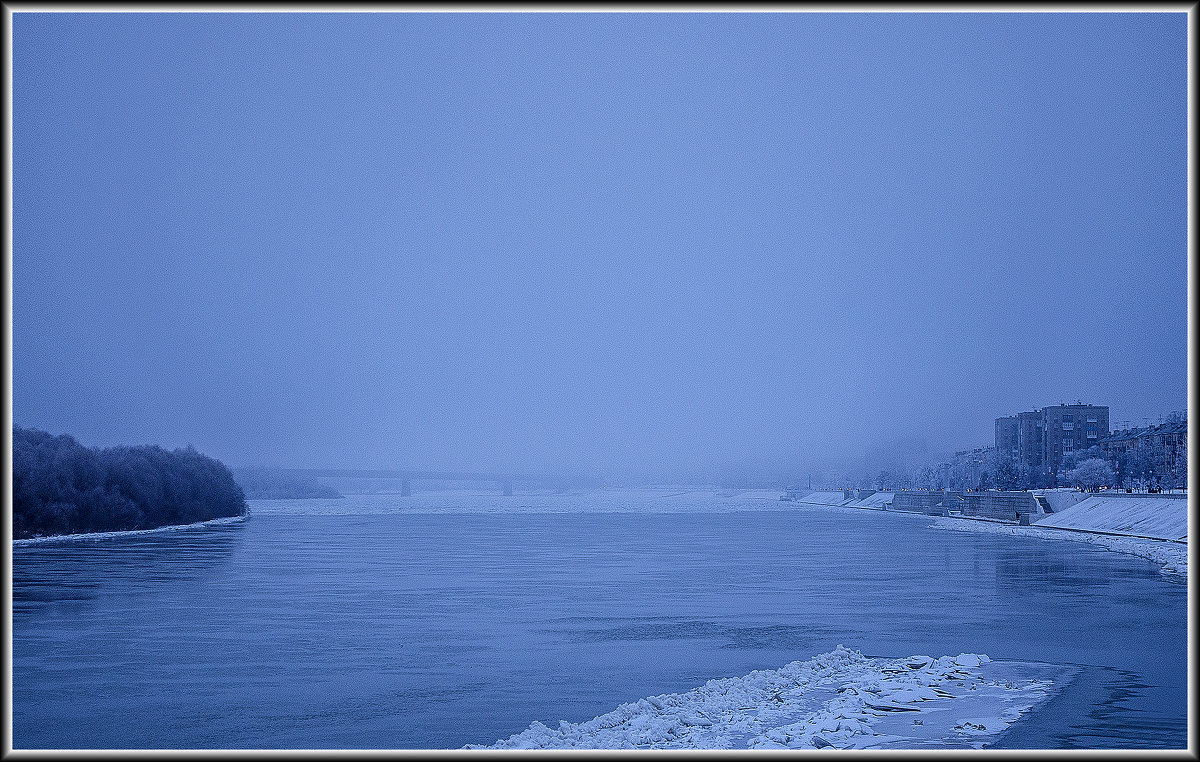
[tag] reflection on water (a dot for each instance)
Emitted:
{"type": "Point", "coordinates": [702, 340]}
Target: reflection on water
{"type": "Point", "coordinates": [675, 628]}
{"type": "Point", "coordinates": [1099, 709]}
{"type": "Point", "coordinates": [408, 627]}
{"type": "Point", "coordinates": [79, 570]}
{"type": "Point", "coordinates": [1067, 571]}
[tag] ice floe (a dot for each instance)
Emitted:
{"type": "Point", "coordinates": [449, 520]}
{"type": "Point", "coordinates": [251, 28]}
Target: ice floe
{"type": "Point", "coordinates": [126, 532]}
{"type": "Point", "coordinates": [840, 699]}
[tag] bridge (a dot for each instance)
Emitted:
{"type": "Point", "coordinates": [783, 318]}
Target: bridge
{"type": "Point", "coordinates": [505, 481]}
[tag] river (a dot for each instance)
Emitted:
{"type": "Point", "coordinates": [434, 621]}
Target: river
{"type": "Point", "coordinates": [442, 619]}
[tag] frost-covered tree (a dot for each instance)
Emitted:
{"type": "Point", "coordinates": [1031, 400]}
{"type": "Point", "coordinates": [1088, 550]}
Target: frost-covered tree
{"type": "Point", "coordinates": [62, 487]}
{"type": "Point", "coordinates": [926, 477]}
{"type": "Point", "coordinates": [1091, 474]}
{"type": "Point", "coordinates": [1143, 466]}
{"type": "Point", "coordinates": [1008, 474]}
{"type": "Point", "coordinates": [1072, 459]}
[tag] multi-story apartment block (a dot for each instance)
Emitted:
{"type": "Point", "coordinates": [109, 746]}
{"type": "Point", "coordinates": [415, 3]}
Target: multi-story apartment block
{"type": "Point", "coordinates": [1070, 428]}
{"type": "Point", "coordinates": [1006, 435]}
{"type": "Point", "coordinates": [1030, 430]}
{"type": "Point", "coordinates": [1040, 438]}
{"type": "Point", "coordinates": [1163, 447]}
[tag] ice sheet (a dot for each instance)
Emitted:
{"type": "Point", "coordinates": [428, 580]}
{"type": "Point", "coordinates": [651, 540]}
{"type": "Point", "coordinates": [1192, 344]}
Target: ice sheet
{"type": "Point", "coordinates": [840, 699]}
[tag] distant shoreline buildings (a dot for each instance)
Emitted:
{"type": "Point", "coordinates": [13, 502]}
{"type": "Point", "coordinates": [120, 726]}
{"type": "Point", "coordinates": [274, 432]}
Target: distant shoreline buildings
{"type": "Point", "coordinates": [1064, 445]}
{"type": "Point", "coordinates": [1163, 447]}
{"type": "Point", "coordinates": [1043, 439]}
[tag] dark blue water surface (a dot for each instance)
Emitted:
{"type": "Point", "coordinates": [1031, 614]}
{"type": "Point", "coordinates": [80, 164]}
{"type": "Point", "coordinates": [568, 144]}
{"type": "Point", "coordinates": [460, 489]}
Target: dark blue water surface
{"type": "Point", "coordinates": [435, 621]}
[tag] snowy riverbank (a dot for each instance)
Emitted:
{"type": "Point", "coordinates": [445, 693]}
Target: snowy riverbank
{"type": "Point", "coordinates": [1156, 516]}
{"type": "Point", "coordinates": [1172, 556]}
{"type": "Point", "coordinates": [1084, 522]}
{"type": "Point", "coordinates": [841, 699]}
{"type": "Point", "coordinates": [127, 532]}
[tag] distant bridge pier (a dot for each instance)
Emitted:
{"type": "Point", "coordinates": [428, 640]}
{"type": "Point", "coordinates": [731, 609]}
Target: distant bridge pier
{"type": "Point", "coordinates": [507, 487]}
{"type": "Point", "coordinates": [405, 487]}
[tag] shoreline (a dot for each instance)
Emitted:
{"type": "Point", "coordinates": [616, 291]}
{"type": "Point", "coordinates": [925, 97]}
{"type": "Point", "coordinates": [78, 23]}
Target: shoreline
{"type": "Point", "coordinates": [94, 536]}
{"type": "Point", "coordinates": [1170, 555]}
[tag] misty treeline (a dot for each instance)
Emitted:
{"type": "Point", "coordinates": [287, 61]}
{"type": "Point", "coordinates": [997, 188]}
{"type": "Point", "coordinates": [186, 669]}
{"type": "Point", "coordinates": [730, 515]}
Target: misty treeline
{"type": "Point", "coordinates": [987, 469]}
{"type": "Point", "coordinates": [62, 487]}
{"type": "Point", "coordinates": [277, 484]}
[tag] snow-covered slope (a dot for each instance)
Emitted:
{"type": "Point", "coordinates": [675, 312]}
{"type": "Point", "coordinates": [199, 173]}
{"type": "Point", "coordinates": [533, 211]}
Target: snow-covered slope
{"type": "Point", "coordinates": [1161, 517]}
{"type": "Point", "coordinates": [841, 699]}
{"type": "Point", "coordinates": [873, 501]}
{"type": "Point", "coordinates": [1060, 499]}
{"type": "Point", "coordinates": [824, 498]}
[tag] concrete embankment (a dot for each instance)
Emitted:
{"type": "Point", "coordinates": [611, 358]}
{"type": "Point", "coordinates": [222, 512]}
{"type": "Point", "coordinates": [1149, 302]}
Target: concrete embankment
{"type": "Point", "coordinates": [1159, 517]}
{"type": "Point", "coordinates": [823, 497]}
{"type": "Point", "coordinates": [1153, 516]}
{"type": "Point", "coordinates": [876, 501]}
{"type": "Point", "coordinates": [1154, 527]}
{"type": "Point", "coordinates": [844, 498]}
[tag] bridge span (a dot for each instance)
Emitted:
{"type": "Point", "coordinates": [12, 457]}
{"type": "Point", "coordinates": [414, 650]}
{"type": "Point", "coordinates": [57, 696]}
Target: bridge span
{"type": "Point", "coordinates": [406, 477]}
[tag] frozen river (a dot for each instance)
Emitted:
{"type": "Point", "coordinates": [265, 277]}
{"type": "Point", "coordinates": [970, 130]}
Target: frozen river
{"type": "Point", "coordinates": [445, 619]}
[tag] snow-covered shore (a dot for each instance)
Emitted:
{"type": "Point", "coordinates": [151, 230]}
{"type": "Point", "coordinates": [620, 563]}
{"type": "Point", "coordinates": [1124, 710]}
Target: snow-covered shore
{"type": "Point", "coordinates": [841, 699]}
{"type": "Point", "coordinates": [1156, 517]}
{"type": "Point", "coordinates": [1081, 523]}
{"type": "Point", "coordinates": [1172, 556]}
{"type": "Point", "coordinates": [127, 532]}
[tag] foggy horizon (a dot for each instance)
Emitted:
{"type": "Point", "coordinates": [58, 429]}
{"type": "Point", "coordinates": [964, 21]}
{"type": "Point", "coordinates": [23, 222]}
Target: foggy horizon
{"type": "Point", "coordinates": [608, 245]}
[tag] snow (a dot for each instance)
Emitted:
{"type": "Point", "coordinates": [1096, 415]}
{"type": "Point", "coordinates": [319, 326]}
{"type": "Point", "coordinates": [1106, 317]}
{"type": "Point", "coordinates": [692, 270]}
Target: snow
{"type": "Point", "coordinates": [1164, 518]}
{"type": "Point", "coordinates": [875, 501]}
{"type": "Point", "coordinates": [126, 532]}
{"type": "Point", "coordinates": [1170, 555]}
{"type": "Point", "coordinates": [824, 498]}
{"type": "Point", "coordinates": [840, 699]}
{"type": "Point", "coordinates": [1060, 498]}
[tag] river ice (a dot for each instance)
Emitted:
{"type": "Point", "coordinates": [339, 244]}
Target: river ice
{"type": "Point", "coordinates": [840, 699]}
{"type": "Point", "coordinates": [93, 536]}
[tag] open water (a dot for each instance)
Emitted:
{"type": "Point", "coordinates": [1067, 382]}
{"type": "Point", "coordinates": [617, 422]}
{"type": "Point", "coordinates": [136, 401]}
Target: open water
{"type": "Point", "coordinates": [441, 619]}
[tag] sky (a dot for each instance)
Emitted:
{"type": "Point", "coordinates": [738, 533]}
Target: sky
{"type": "Point", "coordinates": [640, 245]}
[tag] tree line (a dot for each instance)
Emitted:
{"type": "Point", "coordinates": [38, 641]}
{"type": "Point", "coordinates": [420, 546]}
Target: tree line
{"type": "Point", "coordinates": [276, 484]}
{"type": "Point", "coordinates": [1151, 465]}
{"type": "Point", "coordinates": [986, 468]}
{"type": "Point", "coordinates": [62, 487]}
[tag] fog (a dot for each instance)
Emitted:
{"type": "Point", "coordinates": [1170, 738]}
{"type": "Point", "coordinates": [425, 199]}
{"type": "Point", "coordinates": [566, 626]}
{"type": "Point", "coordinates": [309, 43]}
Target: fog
{"type": "Point", "coordinates": [657, 247]}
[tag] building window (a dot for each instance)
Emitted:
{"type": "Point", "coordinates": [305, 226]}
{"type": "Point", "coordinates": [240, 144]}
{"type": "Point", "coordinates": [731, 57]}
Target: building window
{"type": "Point", "coordinates": [1068, 445]}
